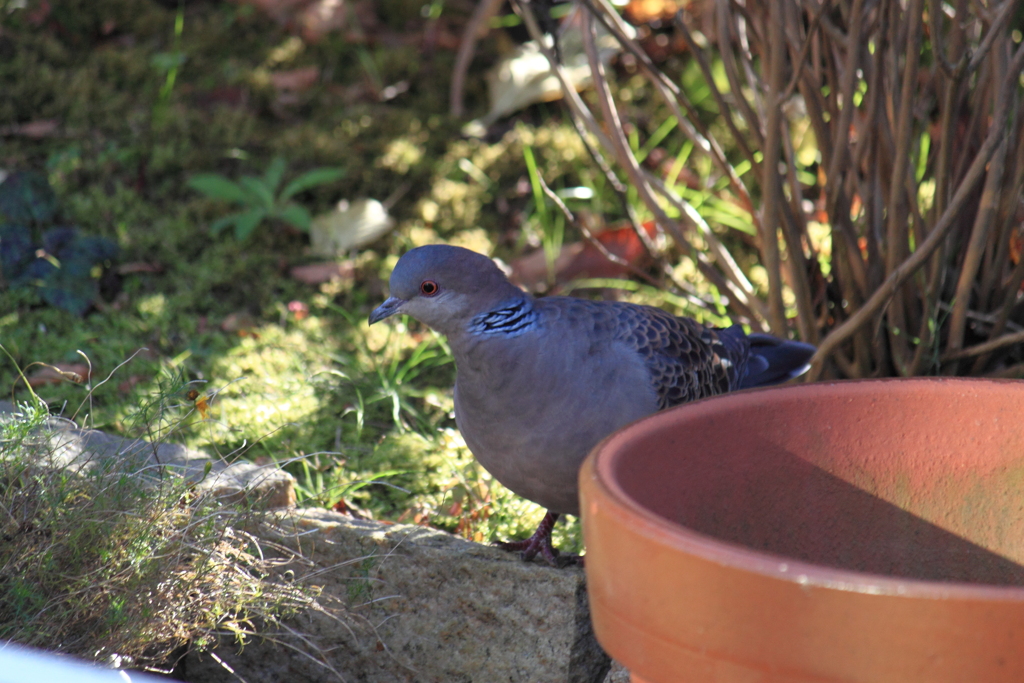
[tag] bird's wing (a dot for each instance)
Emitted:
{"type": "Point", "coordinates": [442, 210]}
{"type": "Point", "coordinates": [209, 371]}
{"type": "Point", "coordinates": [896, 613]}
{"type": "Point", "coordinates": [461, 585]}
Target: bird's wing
{"type": "Point", "coordinates": [687, 360]}
{"type": "Point", "coordinates": [684, 359]}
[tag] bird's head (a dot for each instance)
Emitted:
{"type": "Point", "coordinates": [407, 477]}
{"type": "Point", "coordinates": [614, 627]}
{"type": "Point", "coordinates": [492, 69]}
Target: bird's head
{"type": "Point", "coordinates": [444, 287]}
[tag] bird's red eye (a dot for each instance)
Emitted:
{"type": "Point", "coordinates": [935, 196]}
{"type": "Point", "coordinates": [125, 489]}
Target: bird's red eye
{"type": "Point", "coordinates": [429, 288]}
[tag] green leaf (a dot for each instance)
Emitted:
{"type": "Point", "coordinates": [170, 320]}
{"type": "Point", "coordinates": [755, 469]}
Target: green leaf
{"type": "Point", "coordinates": [69, 293]}
{"type": "Point", "coordinates": [247, 221]}
{"type": "Point", "coordinates": [16, 251]}
{"type": "Point", "coordinates": [26, 197]}
{"type": "Point", "coordinates": [259, 190]}
{"type": "Point", "coordinates": [310, 179]}
{"type": "Point", "coordinates": [296, 215]}
{"type": "Point", "coordinates": [216, 186]}
{"type": "Point", "coordinates": [274, 173]}
{"type": "Point", "coordinates": [69, 282]}
{"type": "Point", "coordinates": [224, 221]}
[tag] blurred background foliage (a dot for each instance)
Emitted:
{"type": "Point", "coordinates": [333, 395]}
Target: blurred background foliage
{"type": "Point", "coordinates": [848, 172]}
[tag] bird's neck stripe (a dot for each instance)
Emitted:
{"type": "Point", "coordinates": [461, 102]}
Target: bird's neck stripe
{"type": "Point", "coordinates": [509, 320]}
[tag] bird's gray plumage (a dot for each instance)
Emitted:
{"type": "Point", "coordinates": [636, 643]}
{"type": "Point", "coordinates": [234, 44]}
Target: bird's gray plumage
{"type": "Point", "coordinates": [542, 381]}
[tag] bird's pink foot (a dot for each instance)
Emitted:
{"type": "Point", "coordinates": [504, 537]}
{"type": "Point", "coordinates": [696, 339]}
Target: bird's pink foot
{"type": "Point", "coordinates": [540, 544]}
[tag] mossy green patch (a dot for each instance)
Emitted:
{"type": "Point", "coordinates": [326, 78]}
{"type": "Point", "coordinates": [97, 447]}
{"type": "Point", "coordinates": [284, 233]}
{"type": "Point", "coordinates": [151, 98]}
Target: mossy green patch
{"type": "Point", "coordinates": [339, 404]}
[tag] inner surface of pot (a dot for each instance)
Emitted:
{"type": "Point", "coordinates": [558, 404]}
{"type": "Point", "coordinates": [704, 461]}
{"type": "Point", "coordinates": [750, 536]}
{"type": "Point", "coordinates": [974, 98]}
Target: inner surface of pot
{"type": "Point", "coordinates": [920, 479]}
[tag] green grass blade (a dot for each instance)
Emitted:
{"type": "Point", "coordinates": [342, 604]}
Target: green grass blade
{"type": "Point", "coordinates": [660, 134]}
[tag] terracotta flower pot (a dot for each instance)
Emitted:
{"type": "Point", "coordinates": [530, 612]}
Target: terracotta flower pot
{"type": "Point", "coordinates": [856, 531]}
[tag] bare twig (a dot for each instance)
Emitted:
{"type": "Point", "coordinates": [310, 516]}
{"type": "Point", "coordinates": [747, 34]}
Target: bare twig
{"type": "Point", "coordinates": [998, 28]}
{"type": "Point", "coordinates": [475, 27]}
{"type": "Point", "coordinates": [986, 347]}
{"type": "Point", "coordinates": [804, 50]}
{"type": "Point", "coordinates": [899, 275]}
{"type": "Point", "coordinates": [771, 218]}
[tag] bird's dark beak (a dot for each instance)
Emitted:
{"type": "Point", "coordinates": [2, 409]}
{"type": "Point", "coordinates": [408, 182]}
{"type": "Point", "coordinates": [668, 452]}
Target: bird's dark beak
{"type": "Point", "coordinates": [386, 309]}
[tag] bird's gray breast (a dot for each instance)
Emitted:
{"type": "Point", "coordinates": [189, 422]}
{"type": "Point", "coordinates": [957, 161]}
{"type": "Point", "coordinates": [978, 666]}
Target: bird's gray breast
{"type": "Point", "coordinates": [532, 406]}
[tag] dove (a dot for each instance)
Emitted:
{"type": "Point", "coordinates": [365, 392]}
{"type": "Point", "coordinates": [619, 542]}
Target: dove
{"type": "Point", "coordinates": [540, 381]}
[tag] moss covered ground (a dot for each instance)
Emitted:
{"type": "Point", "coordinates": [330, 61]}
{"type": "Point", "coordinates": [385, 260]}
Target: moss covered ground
{"type": "Point", "coordinates": [139, 96]}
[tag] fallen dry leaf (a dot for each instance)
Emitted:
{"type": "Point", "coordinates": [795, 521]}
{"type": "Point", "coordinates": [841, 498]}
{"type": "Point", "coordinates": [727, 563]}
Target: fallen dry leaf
{"type": "Point", "coordinates": [38, 14]}
{"type": "Point", "coordinates": [33, 129]}
{"type": "Point", "coordinates": [233, 96]}
{"type": "Point", "coordinates": [313, 19]}
{"type": "Point", "coordinates": [319, 273]}
{"type": "Point", "coordinates": [202, 404]}
{"type": "Point", "coordinates": [524, 77]}
{"type": "Point", "coordinates": [139, 267]}
{"type": "Point", "coordinates": [351, 510]}
{"type": "Point", "coordinates": [281, 11]}
{"type": "Point", "coordinates": [350, 226]}
{"type": "Point", "coordinates": [583, 260]}
{"type": "Point", "coordinates": [320, 18]}
{"type": "Point", "coordinates": [295, 80]}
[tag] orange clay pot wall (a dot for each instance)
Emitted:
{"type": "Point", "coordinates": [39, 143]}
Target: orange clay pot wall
{"type": "Point", "coordinates": [855, 531]}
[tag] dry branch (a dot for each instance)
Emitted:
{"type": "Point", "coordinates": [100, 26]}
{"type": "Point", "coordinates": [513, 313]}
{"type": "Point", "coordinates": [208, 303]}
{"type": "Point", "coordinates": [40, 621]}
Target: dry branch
{"type": "Point", "coordinates": [919, 171]}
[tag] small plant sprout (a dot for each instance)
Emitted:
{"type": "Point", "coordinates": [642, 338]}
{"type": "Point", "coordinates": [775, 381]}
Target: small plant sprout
{"type": "Point", "coordinates": [259, 199]}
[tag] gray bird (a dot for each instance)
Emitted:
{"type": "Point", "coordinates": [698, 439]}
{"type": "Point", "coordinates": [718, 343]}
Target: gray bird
{"type": "Point", "coordinates": [541, 381]}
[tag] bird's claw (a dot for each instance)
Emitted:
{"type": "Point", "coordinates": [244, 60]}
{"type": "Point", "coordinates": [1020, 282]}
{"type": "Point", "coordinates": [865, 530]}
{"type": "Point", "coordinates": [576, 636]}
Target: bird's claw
{"type": "Point", "coordinates": [532, 547]}
{"type": "Point", "coordinates": [540, 544]}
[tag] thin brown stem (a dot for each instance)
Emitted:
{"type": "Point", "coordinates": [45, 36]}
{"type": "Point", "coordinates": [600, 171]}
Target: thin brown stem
{"type": "Point", "coordinates": [897, 242]}
{"type": "Point", "coordinates": [984, 348]}
{"type": "Point", "coordinates": [771, 219]}
{"type": "Point", "coordinates": [882, 295]}
{"type": "Point", "coordinates": [798, 63]}
{"type": "Point", "coordinates": [475, 27]}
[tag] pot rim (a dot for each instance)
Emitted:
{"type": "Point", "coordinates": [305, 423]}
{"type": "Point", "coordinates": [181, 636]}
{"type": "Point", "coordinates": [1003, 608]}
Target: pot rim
{"type": "Point", "coordinates": [606, 454]}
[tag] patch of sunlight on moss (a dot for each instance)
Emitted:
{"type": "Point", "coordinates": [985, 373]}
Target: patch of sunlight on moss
{"type": "Point", "coordinates": [428, 210]}
{"type": "Point", "coordinates": [264, 383]}
{"type": "Point", "coordinates": [418, 235]}
{"type": "Point", "coordinates": [403, 153]}
{"type": "Point", "coordinates": [457, 202]}
{"type": "Point", "coordinates": [153, 306]}
{"type": "Point", "coordinates": [459, 198]}
{"type": "Point", "coordinates": [477, 240]}
{"type": "Point", "coordinates": [384, 336]}
{"type": "Point", "coordinates": [463, 498]}
{"type": "Point", "coordinates": [396, 476]}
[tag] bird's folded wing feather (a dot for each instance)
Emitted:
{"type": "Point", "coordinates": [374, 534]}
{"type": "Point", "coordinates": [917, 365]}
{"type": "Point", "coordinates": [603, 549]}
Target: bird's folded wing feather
{"type": "Point", "coordinates": [686, 360]}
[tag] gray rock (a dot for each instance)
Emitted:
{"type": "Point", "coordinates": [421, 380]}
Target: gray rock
{"type": "Point", "coordinates": [60, 443]}
{"type": "Point", "coordinates": [410, 603]}
{"type": "Point", "coordinates": [423, 605]}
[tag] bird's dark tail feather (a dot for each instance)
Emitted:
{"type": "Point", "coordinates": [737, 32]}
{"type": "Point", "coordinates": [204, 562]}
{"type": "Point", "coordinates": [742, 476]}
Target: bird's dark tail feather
{"type": "Point", "coordinates": [773, 360]}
